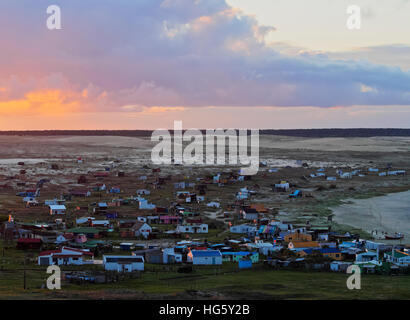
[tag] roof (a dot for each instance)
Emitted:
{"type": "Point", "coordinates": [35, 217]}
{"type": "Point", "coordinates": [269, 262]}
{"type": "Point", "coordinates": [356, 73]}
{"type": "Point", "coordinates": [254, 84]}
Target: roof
{"type": "Point", "coordinates": [49, 252]}
{"type": "Point", "coordinates": [206, 253]}
{"type": "Point", "coordinates": [83, 230]}
{"type": "Point", "coordinates": [305, 244]}
{"type": "Point", "coordinates": [250, 210]}
{"type": "Point", "coordinates": [57, 207]}
{"type": "Point", "coordinates": [324, 250]}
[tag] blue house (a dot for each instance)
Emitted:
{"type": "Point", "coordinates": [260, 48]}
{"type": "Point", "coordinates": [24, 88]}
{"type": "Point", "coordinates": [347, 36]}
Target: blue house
{"type": "Point", "coordinates": [205, 257]}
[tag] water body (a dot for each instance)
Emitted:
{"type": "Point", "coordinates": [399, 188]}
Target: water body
{"type": "Point", "coordinates": [389, 213]}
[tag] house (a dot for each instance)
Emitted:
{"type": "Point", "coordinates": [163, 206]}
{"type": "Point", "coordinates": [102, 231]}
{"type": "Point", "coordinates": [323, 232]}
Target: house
{"type": "Point", "coordinates": [213, 204]}
{"type": "Point", "coordinates": [80, 193]}
{"type": "Point", "coordinates": [126, 246]}
{"type": "Point", "coordinates": [100, 223]}
{"type": "Point", "coordinates": [260, 246]}
{"type": "Point", "coordinates": [101, 207]}
{"type": "Point", "coordinates": [367, 256]}
{"type": "Point", "coordinates": [250, 213]}
{"type": "Point", "coordinates": [57, 209]}
{"type": "Point", "coordinates": [53, 202]}
{"type": "Point", "coordinates": [398, 257]}
{"type": "Point", "coordinates": [144, 205]}
{"type": "Point", "coordinates": [346, 175]}
{"type": "Point", "coordinates": [141, 229]}
{"type": "Point", "coordinates": [123, 263]}
{"type": "Point", "coordinates": [126, 223]}
{"type": "Point", "coordinates": [170, 256]}
{"type": "Point", "coordinates": [243, 228]}
{"type": "Point", "coordinates": [154, 256]}
{"type": "Point", "coordinates": [237, 256]}
{"type": "Point", "coordinates": [244, 193]}
{"type": "Point", "coordinates": [259, 207]}
{"type": "Point", "coordinates": [141, 219]}
{"type": "Point", "coordinates": [333, 253]}
{"type": "Point", "coordinates": [84, 220]}
{"type": "Point", "coordinates": [205, 257]}
{"type": "Point", "coordinates": [115, 190]}
{"type": "Point", "coordinates": [339, 266]}
{"type": "Point", "coordinates": [90, 232]}
{"type": "Point", "coordinates": [193, 228]}
{"type": "Point", "coordinates": [302, 245]}
{"type": "Point", "coordinates": [142, 192]}
{"type": "Point", "coordinates": [179, 185]}
{"type": "Point", "coordinates": [283, 186]}
{"type": "Point", "coordinates": [65, 256]}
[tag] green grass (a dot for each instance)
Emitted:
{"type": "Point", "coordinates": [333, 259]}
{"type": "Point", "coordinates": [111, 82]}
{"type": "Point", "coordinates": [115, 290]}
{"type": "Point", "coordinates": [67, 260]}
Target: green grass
{"type": "Point", "coordinates": [260, 283]}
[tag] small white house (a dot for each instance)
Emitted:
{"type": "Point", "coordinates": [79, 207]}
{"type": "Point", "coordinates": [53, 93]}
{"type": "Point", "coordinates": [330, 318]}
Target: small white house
{"type": "Point", "coordinates": [65, 256]}
{"type": "Point", "coordinates": [205, 257]}
{"type": "Point", "coordinates": [141, 229]}
{"type": "Point", "coordinates": [57, 209]}
{"type": "Point", "coordinates": [193, 228]}
{"type": "Point", "coordinates": [123, 263]}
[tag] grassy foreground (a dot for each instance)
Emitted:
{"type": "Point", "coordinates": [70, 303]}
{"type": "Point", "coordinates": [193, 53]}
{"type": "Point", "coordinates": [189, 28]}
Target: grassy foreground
{"type": "Point", "coordinates": [260, 283]}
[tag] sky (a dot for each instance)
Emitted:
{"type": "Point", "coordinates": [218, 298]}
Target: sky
{"type": "Point", "coordinates": [142, 64]}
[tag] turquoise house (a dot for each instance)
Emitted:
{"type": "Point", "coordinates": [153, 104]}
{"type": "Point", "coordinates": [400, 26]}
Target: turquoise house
{"type": "Point", "coordinates": [237, 256]}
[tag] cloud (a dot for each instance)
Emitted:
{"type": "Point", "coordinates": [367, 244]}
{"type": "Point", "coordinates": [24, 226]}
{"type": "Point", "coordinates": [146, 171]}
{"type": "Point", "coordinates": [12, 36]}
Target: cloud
{"type": "Point", "coordinates": [173, 53]}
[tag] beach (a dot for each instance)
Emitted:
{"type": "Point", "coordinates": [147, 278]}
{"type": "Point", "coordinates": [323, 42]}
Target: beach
{"type": "Point", "coordinates": [389, 213]}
